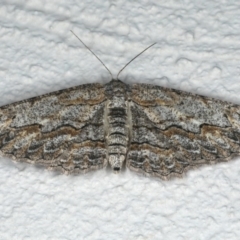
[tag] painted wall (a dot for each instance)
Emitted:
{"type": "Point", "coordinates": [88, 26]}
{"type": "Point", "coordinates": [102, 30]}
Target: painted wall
{"type": "Point", "coordinates": [197, 50]}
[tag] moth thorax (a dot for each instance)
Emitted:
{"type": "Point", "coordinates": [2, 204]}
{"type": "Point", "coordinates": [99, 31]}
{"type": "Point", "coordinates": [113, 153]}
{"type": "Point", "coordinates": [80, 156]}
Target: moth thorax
{"type": "Point", "coordinates": [116, 162]}
{"type": "Point", "coordinates": [117, 102]}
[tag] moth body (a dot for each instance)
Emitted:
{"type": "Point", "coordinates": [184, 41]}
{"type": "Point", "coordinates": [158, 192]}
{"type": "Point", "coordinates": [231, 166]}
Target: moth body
{"type": "Point", "coordinates": [116, 126]}
{"type": "Point", "coordinates": [157, 131]}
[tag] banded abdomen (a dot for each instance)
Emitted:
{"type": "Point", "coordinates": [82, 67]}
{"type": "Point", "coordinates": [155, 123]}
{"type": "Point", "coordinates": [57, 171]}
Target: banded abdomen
{"type": "Point", "coordinates": [117, 127]}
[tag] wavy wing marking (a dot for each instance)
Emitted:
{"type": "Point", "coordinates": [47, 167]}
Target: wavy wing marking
{"type": "Point", "coordinates": [63, 129]}
{"type": "Point", "coordinates": [174, 131]}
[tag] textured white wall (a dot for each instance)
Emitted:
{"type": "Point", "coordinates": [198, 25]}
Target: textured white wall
{"type": "Point", "coordinates": [197, 50]}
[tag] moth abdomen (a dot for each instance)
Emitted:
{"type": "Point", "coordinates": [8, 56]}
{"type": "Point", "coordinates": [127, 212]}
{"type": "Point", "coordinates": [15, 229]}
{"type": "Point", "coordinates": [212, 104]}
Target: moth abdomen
{"type": "Point", "coordinates": [117, 137]}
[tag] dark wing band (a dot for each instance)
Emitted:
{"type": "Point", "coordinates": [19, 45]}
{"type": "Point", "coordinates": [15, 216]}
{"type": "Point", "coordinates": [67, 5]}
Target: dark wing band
{"type": "Point", "coordinates": [174, 131]}
{"type": "Point", "coordinates": [63, 129]}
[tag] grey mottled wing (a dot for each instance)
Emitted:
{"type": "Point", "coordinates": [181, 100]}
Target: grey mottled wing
{"type": "Point", "coordinates": [173, 131]}
{"type": "Point", "coordinates": [63, 129]}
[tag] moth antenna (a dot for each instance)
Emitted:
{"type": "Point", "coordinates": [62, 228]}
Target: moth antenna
{"type": "Point", "coordinates": [92, 52]}
{"type": "Point", "coordinates": [134, 58]}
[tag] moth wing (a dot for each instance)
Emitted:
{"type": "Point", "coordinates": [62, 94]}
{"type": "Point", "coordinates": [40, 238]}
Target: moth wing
{"type": "Point", "coordinates": [63, 129]}
{"type": "Point", "coordinates": [173, 131]}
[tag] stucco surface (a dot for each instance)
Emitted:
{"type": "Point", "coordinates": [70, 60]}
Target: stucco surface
{"type": "Point", "coordinates": [197, 50]}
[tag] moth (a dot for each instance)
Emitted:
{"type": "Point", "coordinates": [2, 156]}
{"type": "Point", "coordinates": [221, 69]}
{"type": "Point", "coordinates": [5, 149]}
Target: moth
{"type": "Point", "coordinates": [154, 130]}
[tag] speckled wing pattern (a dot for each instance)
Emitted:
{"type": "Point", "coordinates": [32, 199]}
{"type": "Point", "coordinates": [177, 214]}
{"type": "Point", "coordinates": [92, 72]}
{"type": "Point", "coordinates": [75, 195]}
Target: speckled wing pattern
{"type": "Point", "coordinates": [63, 129]}
{"type": "Point", "coordinates": [173, 131]}
{"type": "Point", "coordinates": [157, 131]}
